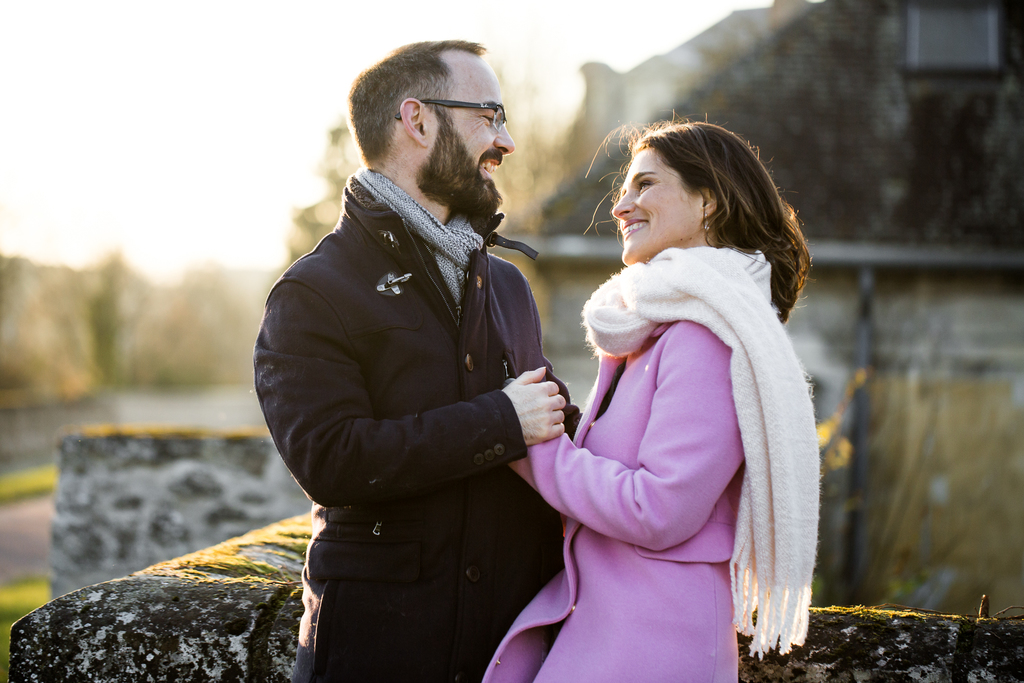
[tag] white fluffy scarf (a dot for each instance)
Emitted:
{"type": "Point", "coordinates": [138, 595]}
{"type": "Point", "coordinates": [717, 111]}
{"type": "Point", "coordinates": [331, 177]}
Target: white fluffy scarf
{"type": "Point", "coordinates": [729, 292]}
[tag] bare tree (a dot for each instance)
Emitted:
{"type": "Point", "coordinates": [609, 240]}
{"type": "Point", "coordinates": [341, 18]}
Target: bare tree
{"type": "Point", "coordinates": [311, 223]}
{"type": "Point", "coordinates": [541, 160]}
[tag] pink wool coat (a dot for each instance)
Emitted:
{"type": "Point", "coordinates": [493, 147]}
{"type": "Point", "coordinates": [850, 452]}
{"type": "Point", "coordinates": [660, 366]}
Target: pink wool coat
{"type": "Point", "coordinates": [650, 493]}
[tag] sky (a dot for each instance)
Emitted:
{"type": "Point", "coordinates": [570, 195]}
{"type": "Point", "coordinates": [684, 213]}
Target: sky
{"type": "Point", "coordinates": [183, 134]}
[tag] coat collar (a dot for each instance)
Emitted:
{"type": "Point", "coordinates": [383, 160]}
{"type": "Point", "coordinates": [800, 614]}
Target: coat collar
{"type": "Point", "coordinates": [356, 193]}
{"type": "Point", "coordinates": [359, 203]}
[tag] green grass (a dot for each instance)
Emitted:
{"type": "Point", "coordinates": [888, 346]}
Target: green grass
{"type": "Point", "coordinates": [16, 600]}
{"type": "Point", "coordinates": [37, 481]}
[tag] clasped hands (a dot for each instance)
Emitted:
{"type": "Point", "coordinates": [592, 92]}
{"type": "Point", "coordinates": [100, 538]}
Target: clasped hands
{"type": "Point", "coordinates": [538, 405]}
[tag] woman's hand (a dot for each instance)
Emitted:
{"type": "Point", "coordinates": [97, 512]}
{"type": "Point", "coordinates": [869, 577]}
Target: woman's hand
{"type": "Point", "coordinates": [538, 405]}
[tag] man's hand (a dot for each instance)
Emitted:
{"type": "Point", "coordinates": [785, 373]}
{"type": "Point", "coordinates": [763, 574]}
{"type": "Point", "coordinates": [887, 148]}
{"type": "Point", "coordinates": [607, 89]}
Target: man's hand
{"type": "Point", "coordinates": [538, 405]}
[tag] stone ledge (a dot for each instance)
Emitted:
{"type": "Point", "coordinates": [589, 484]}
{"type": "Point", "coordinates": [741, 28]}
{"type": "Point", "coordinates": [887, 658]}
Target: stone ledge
{"type": "Point", "coordinates": [227, 613]}
{"type": "Point", "coordinates": [870, 644]}
{"type": "Point", "coordinates": [230, 613]}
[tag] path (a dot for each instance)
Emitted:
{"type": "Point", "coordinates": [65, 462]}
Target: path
{"type": "Point", "coordinates": [25, 538]}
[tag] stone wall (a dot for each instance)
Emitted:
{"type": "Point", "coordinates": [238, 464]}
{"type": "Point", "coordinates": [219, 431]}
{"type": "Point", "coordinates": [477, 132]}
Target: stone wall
{"type": "Point", "coordinates": [231, 614]}
{"type": "Point", "coordinates": [127, 500]}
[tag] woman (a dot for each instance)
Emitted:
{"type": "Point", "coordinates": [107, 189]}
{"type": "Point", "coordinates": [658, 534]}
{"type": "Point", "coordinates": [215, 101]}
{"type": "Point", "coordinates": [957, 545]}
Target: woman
{"type": "Point", "coordinates": [691, 493]}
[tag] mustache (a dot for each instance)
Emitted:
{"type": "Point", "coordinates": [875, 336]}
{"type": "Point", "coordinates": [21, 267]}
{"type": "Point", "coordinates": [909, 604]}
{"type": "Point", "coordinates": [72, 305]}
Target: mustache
{"type": "Point", "coordinates": [492, 154]}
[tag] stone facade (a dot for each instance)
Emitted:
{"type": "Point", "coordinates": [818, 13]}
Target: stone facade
{"type": "Point", "coordinates": [126, 500]}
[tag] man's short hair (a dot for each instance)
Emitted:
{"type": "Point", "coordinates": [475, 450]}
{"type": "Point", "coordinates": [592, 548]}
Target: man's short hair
{"type": "Point", "coordinates": [414, 70]}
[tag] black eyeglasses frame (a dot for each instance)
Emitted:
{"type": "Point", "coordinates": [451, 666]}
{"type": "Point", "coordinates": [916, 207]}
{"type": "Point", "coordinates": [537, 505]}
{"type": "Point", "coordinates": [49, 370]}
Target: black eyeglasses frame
{"type": "Point", "coordinates": [500, 119]}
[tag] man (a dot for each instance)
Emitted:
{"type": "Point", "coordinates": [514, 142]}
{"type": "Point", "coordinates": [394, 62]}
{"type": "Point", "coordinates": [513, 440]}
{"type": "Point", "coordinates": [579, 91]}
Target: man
{"type": "Point", "coordinates": [380, 368]}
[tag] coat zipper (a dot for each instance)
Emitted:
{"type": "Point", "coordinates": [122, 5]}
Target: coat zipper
{"type": "Point", "coordinates": [455, 316]}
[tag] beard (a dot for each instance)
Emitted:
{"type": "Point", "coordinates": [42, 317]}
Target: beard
{"type": "Point", "coordinates": [452, 177]}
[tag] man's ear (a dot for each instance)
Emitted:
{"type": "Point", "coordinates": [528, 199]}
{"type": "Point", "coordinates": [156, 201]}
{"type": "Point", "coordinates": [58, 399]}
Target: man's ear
{"type": "Point", "coordinates": [414, 122]}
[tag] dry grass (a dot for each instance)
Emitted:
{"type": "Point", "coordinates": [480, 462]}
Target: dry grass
{"type": "Point", "coordinates": [38, 481]}
{"type": "Point", "coordinates": [16, 600]}
{"type": "Point", "coordinates": [947, 468]}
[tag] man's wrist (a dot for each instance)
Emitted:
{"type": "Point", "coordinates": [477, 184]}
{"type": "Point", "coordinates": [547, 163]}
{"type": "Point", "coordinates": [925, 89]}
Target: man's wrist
{"type": "Point", "coordinates": [515, 444]}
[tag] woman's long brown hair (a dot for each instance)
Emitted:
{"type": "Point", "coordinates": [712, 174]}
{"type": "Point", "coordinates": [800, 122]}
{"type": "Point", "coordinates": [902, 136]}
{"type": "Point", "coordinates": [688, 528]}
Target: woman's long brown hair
{"type": "Point", "coordinates": [750, 213]}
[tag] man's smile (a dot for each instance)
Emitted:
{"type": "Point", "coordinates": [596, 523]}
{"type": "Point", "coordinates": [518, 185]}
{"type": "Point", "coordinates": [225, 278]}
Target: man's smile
{"type": "Point", "coordinates": [489, 162]}
{"type": "Point", "coordinates": [488, 166]}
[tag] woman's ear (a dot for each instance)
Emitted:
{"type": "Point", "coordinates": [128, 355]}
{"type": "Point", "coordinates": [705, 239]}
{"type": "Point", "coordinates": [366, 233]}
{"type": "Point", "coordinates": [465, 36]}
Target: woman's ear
{"type": "Point", "coordinates": [710, 204]}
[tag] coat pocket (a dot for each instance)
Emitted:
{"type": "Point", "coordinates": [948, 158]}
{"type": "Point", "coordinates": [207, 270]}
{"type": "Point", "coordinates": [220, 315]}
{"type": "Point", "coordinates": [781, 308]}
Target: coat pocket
{"type": "Point", "coordinates": [378, 314]}
{"type": "Point", "coordinates": [391, 562]}
{"type": "Point", "coordinates": [508, 369]}
{"type": "Point", "coordinates": [713, 543]}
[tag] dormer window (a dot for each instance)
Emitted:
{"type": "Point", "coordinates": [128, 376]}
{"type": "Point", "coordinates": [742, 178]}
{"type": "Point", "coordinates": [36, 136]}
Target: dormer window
{"type": "Point", "coordinates": [954, 36]}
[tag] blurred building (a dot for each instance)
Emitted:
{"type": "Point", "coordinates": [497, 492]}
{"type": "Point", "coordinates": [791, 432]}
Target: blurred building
{"type": "Point", "coordinates": [896, 130]}
{"type": "Point", "coordinates": [653, 89]}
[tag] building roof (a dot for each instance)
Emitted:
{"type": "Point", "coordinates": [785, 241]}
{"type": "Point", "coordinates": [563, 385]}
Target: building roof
{"type": "Point", "coordinates": [865, 151]}
{"type": "Point", "coordinates": [719, 38]}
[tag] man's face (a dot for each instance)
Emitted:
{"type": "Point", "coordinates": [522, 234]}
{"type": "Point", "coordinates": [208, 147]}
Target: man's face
{"type": "Point", "coordinates": [452, 177]}
{"type": "Point", "coordinates": [467, 149]}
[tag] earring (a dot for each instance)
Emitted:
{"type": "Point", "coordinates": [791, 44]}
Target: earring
{"type": "Point", "coordinates": [704, 217]}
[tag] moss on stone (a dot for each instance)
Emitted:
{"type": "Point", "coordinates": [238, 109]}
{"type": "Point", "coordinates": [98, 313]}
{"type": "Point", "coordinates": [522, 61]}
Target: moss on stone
{"type": "Point", "coordinates": [880, 614]}
{"type": "Point", "coordinates": [226, 561]}
{"type": "Point", "coordinates": [101, 431]}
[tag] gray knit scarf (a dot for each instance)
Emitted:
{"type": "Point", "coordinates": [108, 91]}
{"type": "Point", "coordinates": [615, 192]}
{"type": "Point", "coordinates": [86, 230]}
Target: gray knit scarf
{"type": "Point", "coordinates": [451, 244]}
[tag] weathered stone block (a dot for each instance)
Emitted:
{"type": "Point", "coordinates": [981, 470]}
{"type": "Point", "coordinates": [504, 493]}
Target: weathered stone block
{"type": "Point", "coordinates": [228, 613]}
{"type": "Point", "coordinates": [996, 653]}
{"type": "Point", "coordinates": [129, 499]}
{"type": "Point", "coordinates": [860, 644]}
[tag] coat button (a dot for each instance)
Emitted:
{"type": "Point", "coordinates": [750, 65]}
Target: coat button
{"type": "Point", "coordinates": [478, 459]}
{"type": "Point", "coordinates": [469, 362]}
{"type": "Point", "coordinates": [499, 449]}
{"type": "Point", "coordinates": [488, 454]}
{"type": "Point", "coordinates": [479, 282]}
{"type": "Point", "coordinates": [473, 574]}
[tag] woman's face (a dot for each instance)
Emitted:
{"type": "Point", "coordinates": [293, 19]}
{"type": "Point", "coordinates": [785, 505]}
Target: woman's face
{"type": "Point", "coordinates": [657, 211]}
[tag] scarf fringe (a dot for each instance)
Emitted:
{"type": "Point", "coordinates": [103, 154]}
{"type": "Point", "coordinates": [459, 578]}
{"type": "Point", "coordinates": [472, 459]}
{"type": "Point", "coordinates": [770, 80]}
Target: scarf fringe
{"type": "Point", "coordinates": [782, 613]}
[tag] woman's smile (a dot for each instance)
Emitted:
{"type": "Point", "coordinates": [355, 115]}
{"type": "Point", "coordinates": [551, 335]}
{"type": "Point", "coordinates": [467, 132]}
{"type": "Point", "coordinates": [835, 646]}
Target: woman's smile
{"type": "Point", "coordinates": [658, 211]}
{"type": "Point", "coordinates": [631, 226]}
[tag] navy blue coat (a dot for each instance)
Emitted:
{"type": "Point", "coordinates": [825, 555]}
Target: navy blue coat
{"type": "Point", "coordinates": [390, 416]}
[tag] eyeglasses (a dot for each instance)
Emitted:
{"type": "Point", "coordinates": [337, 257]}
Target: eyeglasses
{"type": "Point", "coordinates": [497, 123]}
